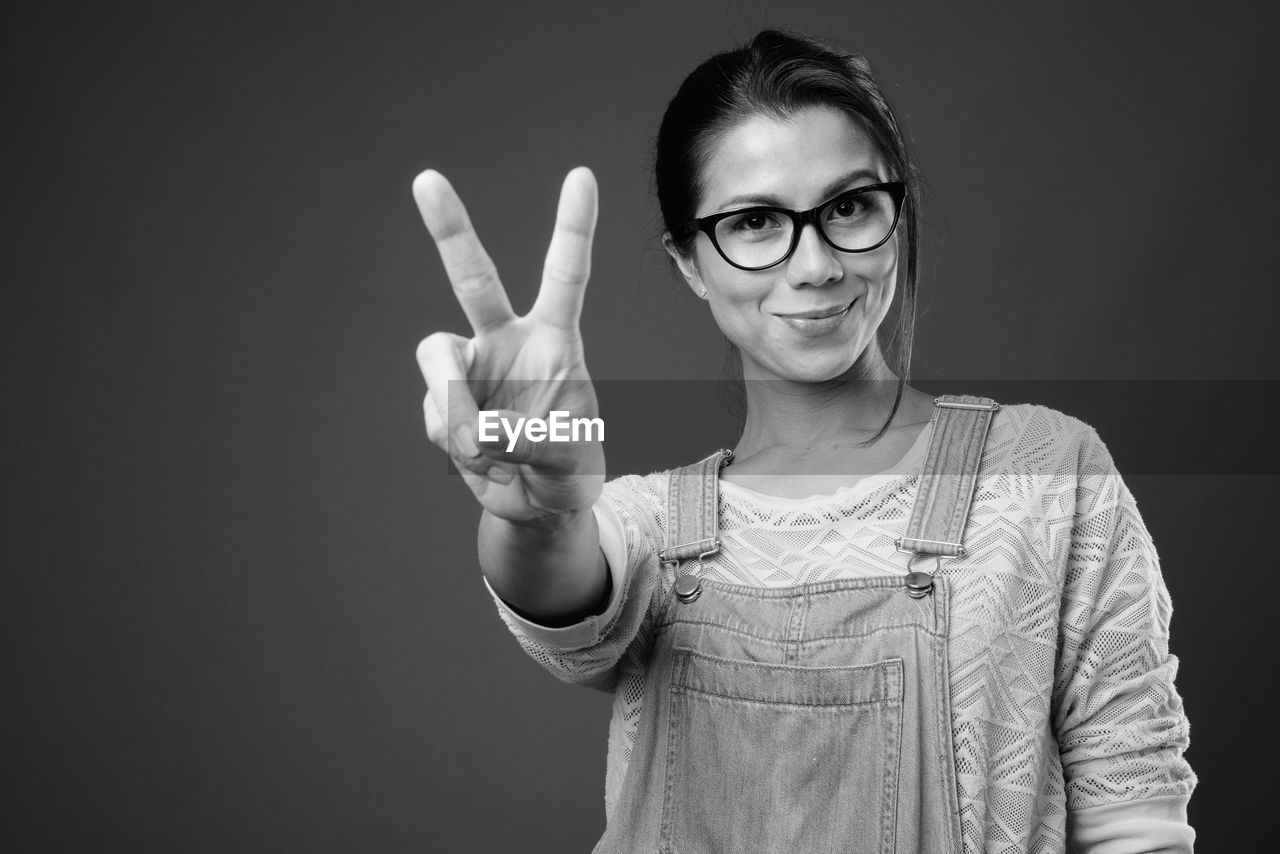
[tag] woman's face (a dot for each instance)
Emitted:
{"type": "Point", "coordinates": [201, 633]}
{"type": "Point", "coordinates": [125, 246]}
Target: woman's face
{"type": "Point", "coordinates": [796, 163]}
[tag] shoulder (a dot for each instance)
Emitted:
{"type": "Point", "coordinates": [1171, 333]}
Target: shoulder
{"type": "Point", "coordinates": [1035, 439]}
{"type": "Point", "coordinates": [637, 487]}
{"type": "Point", "coordinates": [634, 508]}
{"type": "Point", "coordinates": [653, 487]}
{"type": "Point", "coordinates": [1034, 421]}
{"type": "Point", "coordinates": [640, 499]}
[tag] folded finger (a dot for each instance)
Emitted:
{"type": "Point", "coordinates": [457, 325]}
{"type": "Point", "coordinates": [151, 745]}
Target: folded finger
{"type": "Point", "coordinates": [441, 358]}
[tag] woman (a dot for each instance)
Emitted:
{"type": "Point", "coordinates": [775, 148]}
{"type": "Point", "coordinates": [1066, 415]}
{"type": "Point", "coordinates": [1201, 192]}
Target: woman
{"type": "Point", "coordinates": [882, 622]}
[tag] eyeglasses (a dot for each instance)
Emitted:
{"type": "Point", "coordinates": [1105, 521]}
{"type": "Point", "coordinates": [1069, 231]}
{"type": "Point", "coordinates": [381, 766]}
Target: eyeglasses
{"type": "Point", "coordinates": [756, 238]}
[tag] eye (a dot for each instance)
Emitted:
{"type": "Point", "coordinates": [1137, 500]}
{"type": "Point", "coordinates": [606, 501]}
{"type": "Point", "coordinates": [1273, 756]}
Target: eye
{"type": "Point", "coordinates": [848, 208]}
{"type": "Point", "coordinates": [753, 221]}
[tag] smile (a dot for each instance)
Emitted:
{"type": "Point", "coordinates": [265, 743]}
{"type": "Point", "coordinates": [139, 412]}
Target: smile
{"type": "Point", "coordinates": [817, 322]}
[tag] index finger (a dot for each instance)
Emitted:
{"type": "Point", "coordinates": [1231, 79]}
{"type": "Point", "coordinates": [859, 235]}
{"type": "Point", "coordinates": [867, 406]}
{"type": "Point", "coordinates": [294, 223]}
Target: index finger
{"type": "Point", "coordinates": [470, 270]}
{"type": "Point", "coordinates": [564, 278]}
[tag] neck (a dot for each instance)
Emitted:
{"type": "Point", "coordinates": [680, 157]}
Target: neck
{"type": "Point", "coordinates": [801, 416]}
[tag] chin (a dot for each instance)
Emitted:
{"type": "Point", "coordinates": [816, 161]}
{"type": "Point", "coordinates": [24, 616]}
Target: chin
{"type": "Point", "coordinates": [816, 371]}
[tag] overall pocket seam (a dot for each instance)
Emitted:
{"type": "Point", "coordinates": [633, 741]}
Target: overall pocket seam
{"type": "Point", "coordinates": [879, 629]}
{"type": "Point", "coordinates": [892, 775]}
{"type": "Point", "coordinates": [673, 748]}
{"type": "Point", "coordinates": [889, 673]}
{"type": "Point", "coordinates": [752, 701]}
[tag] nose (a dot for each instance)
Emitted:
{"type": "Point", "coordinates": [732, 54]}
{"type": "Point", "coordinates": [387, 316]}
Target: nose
{"type": "Point", "coordinates": [814, 262]}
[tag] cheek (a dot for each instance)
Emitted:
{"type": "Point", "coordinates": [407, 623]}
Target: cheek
{"type": "Point", "coordinates": [736, 307]}
{"type": "Point", "coordinates": [881, 273]}
{"type": "Point", "coordinates": [733, 292]}
{"type": "Point", "coordinates": [732, 312]}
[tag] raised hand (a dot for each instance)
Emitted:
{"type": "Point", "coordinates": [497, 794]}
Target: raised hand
{"type": "Point", "coordinates": [522, 365]}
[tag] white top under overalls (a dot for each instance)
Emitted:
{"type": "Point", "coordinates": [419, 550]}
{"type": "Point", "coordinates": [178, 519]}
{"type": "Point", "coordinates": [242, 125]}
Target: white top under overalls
{"type": "Point", "coordinates": [1052, 624]}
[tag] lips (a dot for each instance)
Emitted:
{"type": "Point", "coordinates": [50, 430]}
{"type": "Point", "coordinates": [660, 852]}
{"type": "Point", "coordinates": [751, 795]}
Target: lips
{"type": "Point", "coordinates": [819, 313]}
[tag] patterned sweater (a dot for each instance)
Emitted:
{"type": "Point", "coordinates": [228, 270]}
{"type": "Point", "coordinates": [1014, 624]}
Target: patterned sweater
{"type": "Point", "coordinates": [1065, 718]}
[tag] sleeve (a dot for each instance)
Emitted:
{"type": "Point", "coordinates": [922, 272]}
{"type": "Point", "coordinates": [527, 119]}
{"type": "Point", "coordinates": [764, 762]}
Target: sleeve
{"type": "Point", "coordinates": [1119, 721]}
{"type": "Point", "coordinates": [1155, 825]}
{"type": "Point", "coordinates": [587, 653]}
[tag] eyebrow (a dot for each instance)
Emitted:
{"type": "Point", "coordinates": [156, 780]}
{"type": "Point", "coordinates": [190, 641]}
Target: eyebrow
{"type": "Point", "coordinates": [774, 201]}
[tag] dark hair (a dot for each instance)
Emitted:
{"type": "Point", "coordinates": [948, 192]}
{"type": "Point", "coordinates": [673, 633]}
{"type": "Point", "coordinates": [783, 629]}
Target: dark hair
{"type": "Point", "coordinates": [777, 74]}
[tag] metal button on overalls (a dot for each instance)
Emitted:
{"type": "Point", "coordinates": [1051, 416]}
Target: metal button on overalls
{"type": "Point", "coordinates": [919, 584]}
{"type": "Point", "coordinates": [688, 587]}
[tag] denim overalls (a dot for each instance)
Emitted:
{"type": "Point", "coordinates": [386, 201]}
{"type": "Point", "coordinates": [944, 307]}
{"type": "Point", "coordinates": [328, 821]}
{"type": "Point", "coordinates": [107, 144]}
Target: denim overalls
{"type": "Point", "coordinates": [813, 718]}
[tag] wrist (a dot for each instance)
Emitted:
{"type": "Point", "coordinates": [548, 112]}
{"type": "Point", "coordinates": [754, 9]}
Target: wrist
{"type": "Point", "coordinates": [547, 522]}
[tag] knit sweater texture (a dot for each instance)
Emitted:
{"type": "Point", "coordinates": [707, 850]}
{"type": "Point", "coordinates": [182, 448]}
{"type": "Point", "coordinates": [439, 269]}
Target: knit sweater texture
{"type": "Point", "coordinates": [1065, 718]}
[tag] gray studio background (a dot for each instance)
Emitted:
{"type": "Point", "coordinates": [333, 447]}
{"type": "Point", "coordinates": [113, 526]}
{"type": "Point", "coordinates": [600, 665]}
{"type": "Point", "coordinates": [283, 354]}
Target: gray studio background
{"type": "Point", "coordinates": [243, 607]}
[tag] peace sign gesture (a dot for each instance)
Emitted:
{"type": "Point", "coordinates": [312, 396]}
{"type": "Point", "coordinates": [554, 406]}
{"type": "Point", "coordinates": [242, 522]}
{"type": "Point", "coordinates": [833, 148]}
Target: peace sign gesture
{"type": "Point", "coordinates": [523, 366]}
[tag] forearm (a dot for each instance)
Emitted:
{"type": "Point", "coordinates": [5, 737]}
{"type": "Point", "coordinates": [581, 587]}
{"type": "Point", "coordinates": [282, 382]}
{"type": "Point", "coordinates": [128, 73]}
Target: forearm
{"type": "Point", "coordinates": [550, 572]}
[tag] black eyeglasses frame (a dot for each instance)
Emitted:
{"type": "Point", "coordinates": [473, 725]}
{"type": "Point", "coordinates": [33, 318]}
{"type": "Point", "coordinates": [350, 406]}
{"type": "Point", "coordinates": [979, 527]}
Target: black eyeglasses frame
{"type": "Point", "coordinates": [897, 191]}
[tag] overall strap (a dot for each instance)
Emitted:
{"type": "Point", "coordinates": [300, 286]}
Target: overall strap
{"type": "Point", "coordinates": [949, 476]}
{"type": "Point", "coordinates": [693, 516]}
{"type": "Point", "coordinates": [693, 506]}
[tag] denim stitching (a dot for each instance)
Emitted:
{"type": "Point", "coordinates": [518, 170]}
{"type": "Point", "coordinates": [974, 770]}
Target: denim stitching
{"type": "Point", "coordinates": [879, 629]}
{"type": "Point", "coordinates": [673, 731]}
{"type": "Point", "coordinates": [892, 778]}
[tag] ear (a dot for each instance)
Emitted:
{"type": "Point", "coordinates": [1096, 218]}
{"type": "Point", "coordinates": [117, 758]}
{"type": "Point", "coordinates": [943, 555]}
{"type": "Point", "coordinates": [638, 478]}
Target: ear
{"type": "Point", "coordinates": [687, 264]}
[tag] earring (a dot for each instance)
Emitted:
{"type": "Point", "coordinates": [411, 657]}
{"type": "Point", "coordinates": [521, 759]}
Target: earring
{"type": "Point", "coordinates": [702, 291]}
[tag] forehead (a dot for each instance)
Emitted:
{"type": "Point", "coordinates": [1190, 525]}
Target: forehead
{"type": "Point", "coordinates": [792, 160]}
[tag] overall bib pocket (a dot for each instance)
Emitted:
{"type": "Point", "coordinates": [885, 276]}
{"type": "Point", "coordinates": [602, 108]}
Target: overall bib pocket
{"type": "Point", "coordinates": [772, 757]}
